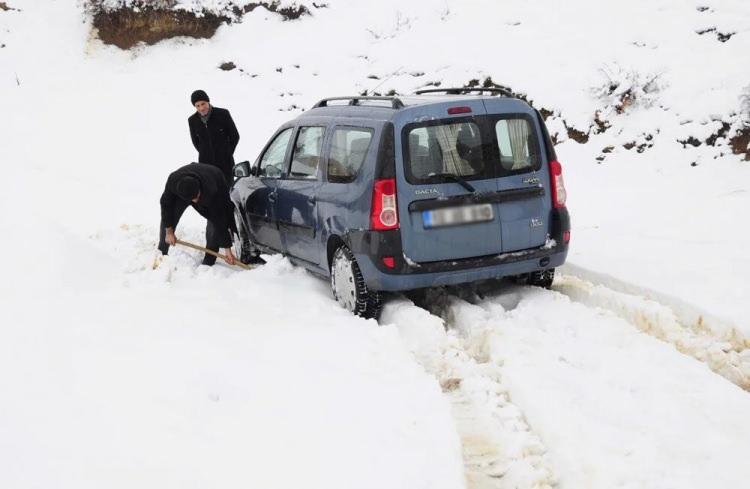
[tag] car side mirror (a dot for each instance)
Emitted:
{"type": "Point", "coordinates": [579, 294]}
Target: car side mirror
{"type": "Point", "coordinates": [242, 169]}
{"type": "Point", "coordinates": [255, 171]}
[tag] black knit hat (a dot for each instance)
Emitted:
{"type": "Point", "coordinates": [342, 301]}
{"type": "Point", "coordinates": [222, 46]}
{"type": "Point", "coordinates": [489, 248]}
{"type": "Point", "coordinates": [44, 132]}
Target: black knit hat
{"type": "Point", "coordinates": [188, 188]}
{"type": "Point", "coordinates": [199, 95]}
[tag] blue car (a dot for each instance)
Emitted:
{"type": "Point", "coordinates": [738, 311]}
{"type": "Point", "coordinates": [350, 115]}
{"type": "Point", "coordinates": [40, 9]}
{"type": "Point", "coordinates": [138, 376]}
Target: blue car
{"type": "Point", "coordinates": [380, 194]}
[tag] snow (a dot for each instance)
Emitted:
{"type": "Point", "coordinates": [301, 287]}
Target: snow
{"type": "Point", "coordinates": [130, 387]}
{"type": "Point", "coordinates": [668, 230]}
{"type": "Point", "coordinates": [725, 352]}
{"type": "Point", "coordinates": [116, 372]}
{"type": "Point", "coordinates": [609, 406]}
{"type": "Point", "coordinates": [615, 408]}
{"type": "Point", "coordinates": [499, 448]}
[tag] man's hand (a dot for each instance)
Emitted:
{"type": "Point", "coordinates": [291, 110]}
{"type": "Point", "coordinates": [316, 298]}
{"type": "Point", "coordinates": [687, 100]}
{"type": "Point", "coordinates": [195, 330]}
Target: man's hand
{"type": "Point", "coordinates": [170, 237]}
{"type": "Point", "coordinates": [230, 258]}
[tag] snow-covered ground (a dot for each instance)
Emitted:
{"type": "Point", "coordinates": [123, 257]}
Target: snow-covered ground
{"type": "Point", "coordinates": [196, 377]}
{"type": "Point", "coordinates": [630, 373]}
{"type": "Point", "coordinates": [560, 393]}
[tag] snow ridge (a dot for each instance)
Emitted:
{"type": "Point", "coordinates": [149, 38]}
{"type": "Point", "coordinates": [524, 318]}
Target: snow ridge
{"type": "Point", "coordinates": [728, 356]}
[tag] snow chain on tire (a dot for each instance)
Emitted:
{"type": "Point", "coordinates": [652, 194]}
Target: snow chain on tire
{"type": "Point", "coordinates": [349, 287]}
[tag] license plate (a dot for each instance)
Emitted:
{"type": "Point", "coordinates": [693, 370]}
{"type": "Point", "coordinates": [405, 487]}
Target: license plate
{"type": "Point", "coordinates": [451, 216]}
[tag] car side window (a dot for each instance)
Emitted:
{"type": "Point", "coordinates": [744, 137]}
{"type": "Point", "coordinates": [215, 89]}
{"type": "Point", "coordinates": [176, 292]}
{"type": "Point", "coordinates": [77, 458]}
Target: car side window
{"type": "Point", "coordinates": [272, 162]}
{"type": "Point", "coordinates": [516, 144]}
{"type": "Point", "coordinates": [349, 147]}
{"type": "Point", "coordinates": [307, 150]}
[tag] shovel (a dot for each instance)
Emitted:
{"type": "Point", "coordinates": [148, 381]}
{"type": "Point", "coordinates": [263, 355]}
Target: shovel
{"type": "Point", "coordinates": [211, 252]}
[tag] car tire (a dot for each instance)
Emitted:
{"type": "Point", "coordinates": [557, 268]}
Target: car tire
{"type": "Point", "coordinates": [241, 245]}
{"type": "Point", "coordinates": [374, 304]}
{"type": "Point", "coordinates": [348, 286]}
{"type": "Point", "coordinates": [541, 278]}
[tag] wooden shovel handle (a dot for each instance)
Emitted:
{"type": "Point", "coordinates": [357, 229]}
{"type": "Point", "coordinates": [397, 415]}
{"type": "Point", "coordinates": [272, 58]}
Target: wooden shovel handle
{"type": "Point", "coordinates": [211, 252]}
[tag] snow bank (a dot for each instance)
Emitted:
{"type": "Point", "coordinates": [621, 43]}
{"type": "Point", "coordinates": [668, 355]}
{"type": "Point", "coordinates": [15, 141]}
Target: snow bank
{"type": "Point", "coordinates": [199, 7]}
{"type": "Point", "coordinates": [726, 351]}
{"type": "Point", "coordinates": [189, 376]}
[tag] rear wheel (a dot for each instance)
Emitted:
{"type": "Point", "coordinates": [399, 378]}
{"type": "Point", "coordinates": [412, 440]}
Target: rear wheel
{"type": "Point", "coordinates": [349, 287]}
{"type": "Point", "coordinates": [542, 278]}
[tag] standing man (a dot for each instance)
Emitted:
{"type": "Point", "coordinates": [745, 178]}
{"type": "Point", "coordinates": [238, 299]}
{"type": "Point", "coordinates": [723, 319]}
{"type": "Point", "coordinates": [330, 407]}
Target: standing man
{"type": "Point", "coordinates": [213, 133]}
{"type": "Point", "coordinates": [205, 188]}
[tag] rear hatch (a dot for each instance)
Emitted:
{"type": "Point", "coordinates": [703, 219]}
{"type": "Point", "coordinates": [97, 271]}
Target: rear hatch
{"type": "Point", "coordinates": [469, 180]}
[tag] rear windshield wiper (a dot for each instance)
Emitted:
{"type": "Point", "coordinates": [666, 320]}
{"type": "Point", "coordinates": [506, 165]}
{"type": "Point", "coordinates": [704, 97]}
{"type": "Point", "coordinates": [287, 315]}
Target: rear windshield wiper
{"type": "Point", "coordinates": [455, 178]}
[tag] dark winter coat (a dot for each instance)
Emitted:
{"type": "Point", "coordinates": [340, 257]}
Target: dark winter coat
{"type": "Point", "coordinates": [215, 140]}
{"type": "Point", "coordinates": [213, 204]}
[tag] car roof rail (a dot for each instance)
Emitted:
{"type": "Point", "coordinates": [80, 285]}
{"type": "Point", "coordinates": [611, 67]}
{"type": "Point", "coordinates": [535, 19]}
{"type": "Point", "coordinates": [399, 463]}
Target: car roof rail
{"type": "Point", "coordinates": [463, 90]}
{"type": "Point", "coordinates": [396, 102]}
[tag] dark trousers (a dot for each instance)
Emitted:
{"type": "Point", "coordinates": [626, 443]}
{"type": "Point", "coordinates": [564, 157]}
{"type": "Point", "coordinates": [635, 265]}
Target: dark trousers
{"type": "Point", "coordinates": [211, 241]}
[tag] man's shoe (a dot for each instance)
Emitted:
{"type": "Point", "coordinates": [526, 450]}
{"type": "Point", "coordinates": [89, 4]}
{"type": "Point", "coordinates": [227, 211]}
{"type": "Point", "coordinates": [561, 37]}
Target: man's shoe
{"type": "Point", "coordinates": [256, 260]}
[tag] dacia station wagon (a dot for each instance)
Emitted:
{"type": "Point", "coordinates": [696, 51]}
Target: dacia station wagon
{"type": "Point", "coordinates": [381, 194]}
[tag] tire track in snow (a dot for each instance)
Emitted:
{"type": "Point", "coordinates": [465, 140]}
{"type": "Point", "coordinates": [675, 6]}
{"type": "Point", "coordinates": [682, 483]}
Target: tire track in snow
{"type": "Point", "coordinates": [613, 404]}
{"type": "Point", "coordinates": [500, 450]}
{"type": "Point", "coordinates": [727, 355]}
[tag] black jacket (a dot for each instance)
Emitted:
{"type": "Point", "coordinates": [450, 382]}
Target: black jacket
{"type": "Point", "coordinates": [215, 140]}
{"type": "Point", "coordinates": [213, 204]}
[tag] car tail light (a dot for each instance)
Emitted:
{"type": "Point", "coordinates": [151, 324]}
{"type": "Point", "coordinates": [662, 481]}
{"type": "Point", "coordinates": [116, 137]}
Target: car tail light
{"type": "Point", "coordinates": [459, 110]}
{"type": "Point", "coordinates": [389, 261]}
{"type": "Point", "coordinates": [384, 213]}
{"type": "Point", "coordinates": [559, 195]}
{"type": "Point", "coordinates": [566, 237]}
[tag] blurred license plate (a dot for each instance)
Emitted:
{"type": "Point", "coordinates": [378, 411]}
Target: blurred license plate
{"type": "Point", "coordinates": [451, 216]}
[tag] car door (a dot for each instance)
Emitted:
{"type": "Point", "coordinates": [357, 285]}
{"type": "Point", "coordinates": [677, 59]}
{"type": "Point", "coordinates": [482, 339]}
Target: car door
{"type": "Point", "coordinates": [518, 155]}
{"type": "Point", "coordinates": [261, 204]}
{"type": "Point", "coordinates": [446, 185]}
{"type": "Point", "coordinates": [296, 205]}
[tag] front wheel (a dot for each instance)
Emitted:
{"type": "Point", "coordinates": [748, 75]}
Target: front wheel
{"type": "Point", "coordinates": [241, 245]}
{"type": "Point", "coordinates": [349, 287]}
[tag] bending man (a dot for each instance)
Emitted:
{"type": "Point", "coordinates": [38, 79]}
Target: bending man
{"type": "Point", "coordinates": [204, 187]}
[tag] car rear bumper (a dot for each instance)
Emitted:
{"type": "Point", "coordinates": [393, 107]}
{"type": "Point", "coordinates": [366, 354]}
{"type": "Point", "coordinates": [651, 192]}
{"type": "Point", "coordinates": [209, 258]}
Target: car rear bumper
{"type": "Point", "coordinates": [458, 272]}
{"type": "Point", "coordinates": [371, 247]}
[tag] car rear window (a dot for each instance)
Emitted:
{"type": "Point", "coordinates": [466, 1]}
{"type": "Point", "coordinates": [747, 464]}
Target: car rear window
{"type": "Point", "coordinates": [474, 148]}
{"type": "Point", "coordinates": [454, 147]}
{"type": "Point", "coordinates": [349, 146]}
{"type": "Point", "coordinates": [516, 144]}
